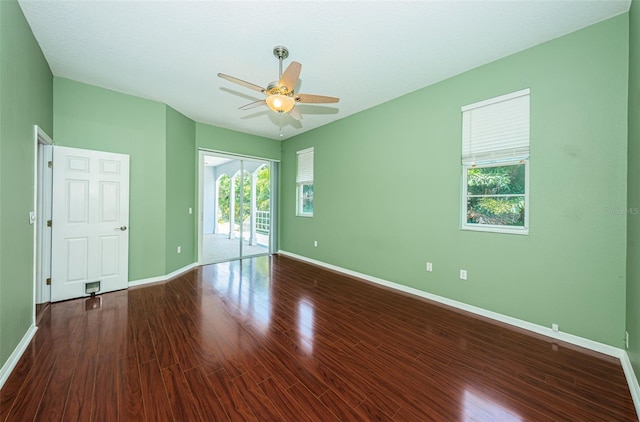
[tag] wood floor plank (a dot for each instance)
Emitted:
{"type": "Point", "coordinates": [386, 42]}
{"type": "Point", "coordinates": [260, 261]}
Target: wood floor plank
{"type": "Point", "coordinates": [180, 396]}
{"type": "Point", "coordinates": [145, 350]}
{"type": "Point", "coordinates": [26, 404]}
{"type": "Point", "coordinates": [226, 341]}
{"type": "Point", "coordinates": [105, 392]}
{"type": "Point", "coordinates": [125, 343]}
{"type": "Point", "coordinates": [363, 379]}
{"type": "Point", "coordinates": [154, 395]}
{"type": "Point", "coordinates": [273, 338]}
{"type": "Point", "coordinates": [55, 396]}
{"type": "Point", "coordinates": [109, 331]}
{"type": "Point", "coordinates": [349, 392]}
{"type": "Point", "coordinates": [80, 398]}
{"type": "Point", "coordinates": [130, 401]}
{"type": "Point", "coordinates": [262, 407]}
{"type": "Point", "coordinates": [181, 343]}
{"type": "Point", "coordinates": [313, 406]}
{"type": "Point", "coordinates": [161, 341]}
{"type": "Point", "coordinates": [341, 409]}
{"type": "Point", "coordinates": [206, 398]}
{"type": "Point", "coordinates": [231, 398]}
{"type": "Point", "coordinates": [89, 339]}
{"type": "Point", "coordinates": [203, 347]}
{"type": "Point", "coordinates": [288, 407]}
{"type": "Point", "coordinates": [16, 380]}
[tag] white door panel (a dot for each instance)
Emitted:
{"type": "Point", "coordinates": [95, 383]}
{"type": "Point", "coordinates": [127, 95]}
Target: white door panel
{"type": "Point", "coordinates": [77, 259]}
{"type": "Point", "coordinates": [109, 246]}
{"type": "Point", "coordinates": [90, 217]}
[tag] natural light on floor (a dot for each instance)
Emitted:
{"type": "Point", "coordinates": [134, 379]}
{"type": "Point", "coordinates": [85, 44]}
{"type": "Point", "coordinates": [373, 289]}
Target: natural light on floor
{"type": "Point", "coordinates": [480, 407]}
{"type": "Point", "coordinates": [305, 325]}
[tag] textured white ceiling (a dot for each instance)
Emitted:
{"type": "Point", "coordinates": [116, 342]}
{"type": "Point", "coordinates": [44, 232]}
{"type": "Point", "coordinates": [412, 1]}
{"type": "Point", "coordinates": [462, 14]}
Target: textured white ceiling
{"type": "Point", "coordinates": [365, 52]}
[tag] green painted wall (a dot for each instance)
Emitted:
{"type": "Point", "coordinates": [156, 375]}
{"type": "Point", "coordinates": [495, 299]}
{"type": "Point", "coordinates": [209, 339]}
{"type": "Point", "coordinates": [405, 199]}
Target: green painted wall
{"type": "Point", "coordinates": [181, 189]}
{"type": "Point", "coordinates": [633, 218]}
{"type": "Point", "coordinates": [163, 147]}
{"type": "Point", "coordinates": [225, 140]}
{"type": "Point", "coordinates": [387, 189]}
{"type": "Point", "coordinates": [26, 99]}
{"type": "Point", "coordinates": [89, 117]}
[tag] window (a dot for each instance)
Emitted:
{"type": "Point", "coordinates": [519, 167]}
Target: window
{"type": "Point", "coordinates": [495, 164]}
{"type": "Point", "coordinates": [304, 181]}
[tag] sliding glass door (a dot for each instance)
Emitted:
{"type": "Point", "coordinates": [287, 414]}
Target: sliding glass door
{"type": "Point", "coordinates": [235, 207]}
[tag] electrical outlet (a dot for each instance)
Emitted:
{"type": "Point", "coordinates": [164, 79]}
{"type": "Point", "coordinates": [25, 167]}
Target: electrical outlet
{"type": "Point", "coordinates": [315, 243]}
{"type": "Point", "coordinates": [179, 249]}
{"type": "Point", "coordinates": [190, 210]}
{"type": "Point", "coordinates": [626, 339]}
{"type": "Point", "coordinates": [429, 266]}
{"type": "Point", "coordinates": [463, 274]}
{"type": "Point", "coordinates": [555, 327]}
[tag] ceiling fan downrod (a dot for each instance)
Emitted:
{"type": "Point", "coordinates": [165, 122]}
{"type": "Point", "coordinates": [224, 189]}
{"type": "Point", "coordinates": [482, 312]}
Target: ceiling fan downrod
{"type": "Point", "coordinates": [281, 53]}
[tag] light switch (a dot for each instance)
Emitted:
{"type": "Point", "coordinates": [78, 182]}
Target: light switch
{"type": "Point", "coordinates": [32, 217]}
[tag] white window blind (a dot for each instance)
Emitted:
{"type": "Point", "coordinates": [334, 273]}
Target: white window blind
{"type": "Point", "coordinates": [496, 129]}
{"type": "Point", "coordinates": [305, 166]}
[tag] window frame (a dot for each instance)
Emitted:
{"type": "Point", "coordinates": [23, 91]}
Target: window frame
{"type": "Point", "coordinates": [300, 200]}
{"type": "Point", "coordinates": [496, 132]}
{"type": "Point", "coordinates": [302, 181]}
{"type": "Point", "coordinates": [464, 225]}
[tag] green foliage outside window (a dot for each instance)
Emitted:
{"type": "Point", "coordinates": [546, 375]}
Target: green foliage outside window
{"type": "Point", "coordinates": [496, 195]}
{"type": "Point", "coordinates": [307, 199]}
{"type": "Point", "coordinates": [263, 194]}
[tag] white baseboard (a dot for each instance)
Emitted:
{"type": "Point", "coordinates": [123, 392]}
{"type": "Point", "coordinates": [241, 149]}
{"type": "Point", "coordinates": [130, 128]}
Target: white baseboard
{"type": "Point", "coordinates": [11, 363]}
{"type": "Point", "coordinates": [161, 278]}
{"type": "Point", "coordinates": [539, 329]}
{"type": "Point", "coordinates": [632, 380]}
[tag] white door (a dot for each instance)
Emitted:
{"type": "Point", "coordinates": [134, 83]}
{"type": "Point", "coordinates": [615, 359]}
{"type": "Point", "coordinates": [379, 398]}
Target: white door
{"type": "Point", "coordinates": [90, 218]}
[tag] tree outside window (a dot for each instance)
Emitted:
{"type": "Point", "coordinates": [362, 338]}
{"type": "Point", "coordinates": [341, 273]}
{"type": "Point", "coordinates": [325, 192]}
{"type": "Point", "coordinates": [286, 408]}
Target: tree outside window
{"type": "Point", "coordinates": [496, 195]}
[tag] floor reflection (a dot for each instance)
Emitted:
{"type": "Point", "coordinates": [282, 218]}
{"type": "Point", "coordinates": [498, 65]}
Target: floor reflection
{"type": "Point", "coordinates": [245, 284]}
{"type": "Point", "coordinates": [480, 407]}
{"type": "Point", "coordinates": [305, 325]}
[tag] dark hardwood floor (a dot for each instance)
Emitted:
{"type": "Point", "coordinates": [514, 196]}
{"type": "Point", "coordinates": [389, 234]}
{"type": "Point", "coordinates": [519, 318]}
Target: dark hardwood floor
{"type": "Point", "coordinates": [275, 339]}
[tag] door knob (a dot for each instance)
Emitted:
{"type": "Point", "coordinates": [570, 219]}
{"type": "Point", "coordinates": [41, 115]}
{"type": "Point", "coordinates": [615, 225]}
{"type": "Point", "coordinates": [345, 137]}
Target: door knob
{"type": "Point", "coordinates": [123, 228]}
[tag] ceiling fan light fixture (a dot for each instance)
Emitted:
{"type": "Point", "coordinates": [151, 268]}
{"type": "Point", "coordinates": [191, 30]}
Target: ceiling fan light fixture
{"type": "Point", "coordinates": [280, 94]}
{"type": "Point", "coordinates": [280, 103]}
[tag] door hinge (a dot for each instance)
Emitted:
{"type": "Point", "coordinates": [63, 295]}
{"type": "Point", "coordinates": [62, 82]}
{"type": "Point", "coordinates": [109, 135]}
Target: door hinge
{"type": "Point", "coordinates": [49, 223]}
{"type": "Point", "coordinates": [48, 281]}
{"type": "Point", "coordinates": [50, 164]}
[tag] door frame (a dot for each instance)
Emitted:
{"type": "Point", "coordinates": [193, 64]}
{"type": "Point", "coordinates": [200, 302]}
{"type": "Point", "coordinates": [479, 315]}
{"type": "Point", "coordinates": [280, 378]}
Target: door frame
{"type": "Point", "coordinates": [273, 236]}
{"type": "Point", "coordinates": [42, 200]}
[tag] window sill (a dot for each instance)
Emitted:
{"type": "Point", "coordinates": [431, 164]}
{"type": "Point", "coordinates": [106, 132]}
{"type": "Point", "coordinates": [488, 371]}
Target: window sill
{"type": "Point", "coordinates": [495, 229]}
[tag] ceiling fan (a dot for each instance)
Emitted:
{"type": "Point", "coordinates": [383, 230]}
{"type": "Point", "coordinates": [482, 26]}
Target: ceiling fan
{"type": "Point", "coordinates": [281, 96]}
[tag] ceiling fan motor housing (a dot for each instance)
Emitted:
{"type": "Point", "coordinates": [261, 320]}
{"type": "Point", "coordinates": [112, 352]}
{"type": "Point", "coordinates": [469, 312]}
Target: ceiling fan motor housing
{"type": "Point", "coordinates": [274, 89]}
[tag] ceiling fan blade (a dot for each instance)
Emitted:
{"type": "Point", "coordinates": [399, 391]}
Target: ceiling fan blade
{"type": "Point", "coordinates": [241, 82]}
{"type": "Point", "coordinates": [295, 113]}
{"type": "Point", "coordinates": [311, 98]}
{"type": "Point", "coordinates": [290, 76]}
{"type": "Point", "coordinates": [253, 104]}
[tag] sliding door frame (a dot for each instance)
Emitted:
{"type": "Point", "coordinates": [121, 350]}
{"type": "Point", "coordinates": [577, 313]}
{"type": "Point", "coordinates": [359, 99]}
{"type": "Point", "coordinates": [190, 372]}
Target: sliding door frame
{"type": "Point", "coordinates": [273, 199]}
